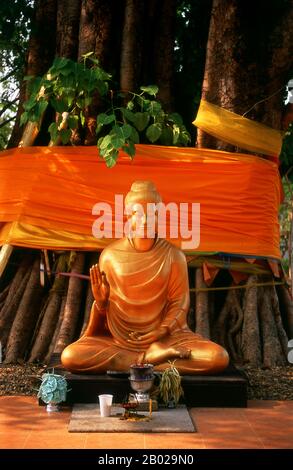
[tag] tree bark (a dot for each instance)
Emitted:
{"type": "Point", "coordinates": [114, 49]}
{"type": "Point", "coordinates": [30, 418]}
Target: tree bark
{"type": "Point", "coordinates": [131, 58]}
{"type": "Point", "coordinates": [202, 306]}
{"type": "Point", "coordinates": [245, 64]}
{"type": "Point", "coordinates": [283, 338]}
{"type": "Point", "coordinates": [41, 52]}
{"type": "Point", "coordinates": [72, 306]}
{"type": "Point", "coordinates": [53, 346]}
{"type": "Point", "coordinates": [251, 348]}
{"type": "Point", "coordinates": [100, 33]}
{"type": "Point", "coordinates": [68, 17]}
{"type": "Point", "coordinates": [49, 316]}
{"type": "Point", "coordinates": [272, 351]}
{"type": "Point", "coordinates": [164, 42]}
{"type": "Point", "coordinates": [25, 319]}
{"type": "Point", "coordinates": [286, 308]}
{"type": "Point", "coordinates": [16, 290]}
{"type": "Point", "coordinates": [280, 67]}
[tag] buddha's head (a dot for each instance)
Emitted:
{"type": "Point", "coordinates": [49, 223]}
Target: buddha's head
{"type": "Point", "coordinates": [140, 203]}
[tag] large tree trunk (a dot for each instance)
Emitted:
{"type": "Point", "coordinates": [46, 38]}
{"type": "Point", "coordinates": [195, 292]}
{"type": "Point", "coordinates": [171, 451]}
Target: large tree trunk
{"type": "Point", "coordinates": [251, 347]}
{"type": "Point", "coordinates": [246, 63]}
{"type": "Point", "coordinates": [13, 298]}
{"type": "Point", "coordinates": [41, 52]}
{"type": "Point", "coordinates": [26, 316]}
{"type": "Point", "coordinates": [49, 315]}
{"type": "Point", "coordinates": [201, 306]}
{"type": "Point", "coordinates": [100, 32]}
{"type": "Point", "coordinates": [131, 52]}
{"type": "Point", "coordinates": [68, 16]}
{"type": "Point", "coordinates": [72, 306]}
{"type": "Point", "coordinates": [164, 40]}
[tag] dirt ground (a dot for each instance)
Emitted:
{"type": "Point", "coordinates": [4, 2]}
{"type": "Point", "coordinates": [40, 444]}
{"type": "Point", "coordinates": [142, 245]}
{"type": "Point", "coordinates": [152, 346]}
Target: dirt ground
{"type": "Point", "coordinates": [263, 384]}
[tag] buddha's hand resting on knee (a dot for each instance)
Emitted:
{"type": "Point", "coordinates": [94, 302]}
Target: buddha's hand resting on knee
{"type": "Point", "coordinates": [100, 287]}
{"type": "Point", "coordinates": [150, 337]}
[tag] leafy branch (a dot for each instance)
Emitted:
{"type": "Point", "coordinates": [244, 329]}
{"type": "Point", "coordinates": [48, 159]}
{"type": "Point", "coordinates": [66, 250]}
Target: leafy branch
{"type": "Point", "coordinates": [130, 118]}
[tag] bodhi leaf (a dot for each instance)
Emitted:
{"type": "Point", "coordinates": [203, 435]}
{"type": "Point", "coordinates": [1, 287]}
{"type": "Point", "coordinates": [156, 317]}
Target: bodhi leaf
{"type": "Point", "coordinates": [150, 89]}
{"type": "Point", "coordinates": [153, 132]}
{"type": "Point", "coordinates": [141, 120]}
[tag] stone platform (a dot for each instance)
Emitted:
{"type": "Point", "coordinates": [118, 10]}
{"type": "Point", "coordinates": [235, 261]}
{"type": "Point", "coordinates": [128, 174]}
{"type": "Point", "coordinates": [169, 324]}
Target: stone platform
{"type": "Point", "coordinates": [228, 389]}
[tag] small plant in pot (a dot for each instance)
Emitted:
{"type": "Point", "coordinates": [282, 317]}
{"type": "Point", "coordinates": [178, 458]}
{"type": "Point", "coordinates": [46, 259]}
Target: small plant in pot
{"type": "Point", "coordinates": [53, 390]}
{"type": "Point", "coordinates": [170, 389]}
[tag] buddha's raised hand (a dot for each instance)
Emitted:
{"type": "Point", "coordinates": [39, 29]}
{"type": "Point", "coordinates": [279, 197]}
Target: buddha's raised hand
{"type": "Point", "coordinates": [100, 286]}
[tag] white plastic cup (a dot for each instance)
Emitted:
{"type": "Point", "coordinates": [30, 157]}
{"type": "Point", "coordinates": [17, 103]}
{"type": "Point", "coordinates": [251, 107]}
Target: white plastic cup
{"type": "Point", "coordinates": [105, 405]}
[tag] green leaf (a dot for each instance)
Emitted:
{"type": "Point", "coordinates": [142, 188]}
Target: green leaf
{"type": "Point", "coordinates": [129, 115]}
{"type": "Point", "coordinates": [80, 102]}
{"type": "Point", "coordinates": [72, 122]}
{"type": "Point", "coordinates": [23, 118]}
{"type": "Point", "coordinates": [110, 118]}
{"type": "Point", "coordinates": [101, 118]}
{"type": "Point", "coordinates": [117, 142]}
{"type": "Point", "coordinates": [151, 89]}
{"type": "Point", "coordinates": [87, 55]}
{"type": "Point", "coordinates": [30, 103]}
{"type": "Point", "coordinates": [141, 120]}
{"type": "Point", "coordinates": [28, 77]}
{"type": "Point", "coordinates": [126, 130]}
{"type": "Point", "coordinates": [166, 137]}
{"type": "Point", "coordinates": [102, 87]}
{"type": "Point", "coordinates": [184, 138]}
{"type": "Point", "coordinates": [66, 70]}
{"type": "Point", "coordinates": [53, 129]}
{"type": "Point", "coordinates": [35, 85]}
{"type": "Point", "coordinates": [42, 106]}
{"type": "Point", "coordinates": [154, 108]}
{"type": "Point", "coordinates": [111, 159]}
{"type": "Point", "coordinates": [99, 128]}
{"type": "Point", "coordinates": [65, 135]}
{"type": "Point", "coordinates": [87, 100]}
{"type": "Point", "coordinates": [82, 118]}
{"type": "Point", "coordinates": [160, 117]}
{"type": "Point", "coordinates": [176, 118]}
{"type": "Point", "coordinates": [69, 98]}
{"type": "Point", "coordinates": [58, 104]}
{"type": "Point", "coordinates": [60, 62]}
{"type": "Point", "coordinates": [99, 142]}
{"type": "Point", "coordinates": [176, 134]}
{"type": "Point", "coordinates": [153, 132]}
{"type": "Point", "coordinates": [134, 136]}
{"type": "Point", "coordinates": [106, 141]}
{"type": "Point", "coordinates": [129, 149]}
{"type": "Point", "coordinates": [105, 118]}
{"type": "Point", "coordinates": [130, 105]}
{"type": "Point", "coordinates": [94, 61]}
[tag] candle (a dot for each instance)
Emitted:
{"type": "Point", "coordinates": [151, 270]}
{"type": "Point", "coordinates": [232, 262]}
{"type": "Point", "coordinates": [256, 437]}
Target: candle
{"type": "Point", "coordinates": [151, 406]}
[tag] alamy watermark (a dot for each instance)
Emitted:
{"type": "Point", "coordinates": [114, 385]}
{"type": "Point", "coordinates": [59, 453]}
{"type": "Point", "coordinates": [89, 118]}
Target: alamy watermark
{"type": "Point", "coordinates": [148, 220]}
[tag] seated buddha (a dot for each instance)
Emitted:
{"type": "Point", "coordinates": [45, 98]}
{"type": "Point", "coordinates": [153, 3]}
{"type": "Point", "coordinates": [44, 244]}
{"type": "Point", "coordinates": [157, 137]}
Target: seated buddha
{"type": "Point", "coordinates": [141, 303]}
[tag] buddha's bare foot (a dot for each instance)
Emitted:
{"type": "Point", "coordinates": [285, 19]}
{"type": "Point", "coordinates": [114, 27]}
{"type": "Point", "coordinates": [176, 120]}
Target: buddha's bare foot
{"type": "Point", "coordinates": [157, 354]}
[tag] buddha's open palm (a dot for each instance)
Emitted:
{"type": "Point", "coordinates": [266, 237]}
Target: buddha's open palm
{"type": "Point", "coordinates": [100, 286]}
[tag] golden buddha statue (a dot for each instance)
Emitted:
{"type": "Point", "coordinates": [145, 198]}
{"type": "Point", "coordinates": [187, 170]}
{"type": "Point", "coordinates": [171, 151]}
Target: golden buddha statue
{"type": "Point", "coordinates": [140, 309]}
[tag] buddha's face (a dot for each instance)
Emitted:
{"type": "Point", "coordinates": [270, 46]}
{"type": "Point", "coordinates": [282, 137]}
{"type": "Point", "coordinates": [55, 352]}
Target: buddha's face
{"type": "Point", "coordinates": [143, 221]}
